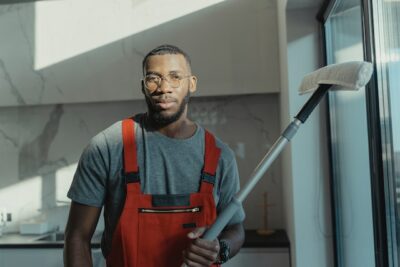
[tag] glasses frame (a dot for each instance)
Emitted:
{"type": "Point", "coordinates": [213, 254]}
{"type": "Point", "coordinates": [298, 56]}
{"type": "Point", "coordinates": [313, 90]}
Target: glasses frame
{"type": "Point", "coordinates": [162, 77]}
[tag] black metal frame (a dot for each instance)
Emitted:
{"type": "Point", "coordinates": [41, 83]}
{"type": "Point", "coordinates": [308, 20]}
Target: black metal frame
{"type": "Point", "coordinates": [375, 143]}
{"type": "Point", "coordinates": [374, 137]}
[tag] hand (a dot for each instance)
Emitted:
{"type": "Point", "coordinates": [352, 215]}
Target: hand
{"type": "Point", "coordinates": [200, 252]}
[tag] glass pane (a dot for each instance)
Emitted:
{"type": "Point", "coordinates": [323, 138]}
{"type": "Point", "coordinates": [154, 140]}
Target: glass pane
{"type": "Point", "coordinates": [386, 16]}
{"type": "Point", "coordinates": [350, 154]}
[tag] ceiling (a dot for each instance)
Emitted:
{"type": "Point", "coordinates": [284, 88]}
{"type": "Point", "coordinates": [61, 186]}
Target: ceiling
{"type": "Point", "coordinates": [293, 4]}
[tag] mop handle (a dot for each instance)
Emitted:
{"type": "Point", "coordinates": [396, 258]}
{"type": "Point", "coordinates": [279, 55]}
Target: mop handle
{"type": "Point", "coordinates": [225, 216]}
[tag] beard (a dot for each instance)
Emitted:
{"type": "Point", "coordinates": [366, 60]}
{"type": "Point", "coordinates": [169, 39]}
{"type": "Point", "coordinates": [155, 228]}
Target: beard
{"type": "Point", "coordinates": [161, 120]}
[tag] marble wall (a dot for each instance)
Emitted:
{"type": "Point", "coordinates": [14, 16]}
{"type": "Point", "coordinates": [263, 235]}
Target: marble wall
{"type": "Point", "coordinates": [40, 147]}
{"type": "Point", "coordinates": [88, 51]}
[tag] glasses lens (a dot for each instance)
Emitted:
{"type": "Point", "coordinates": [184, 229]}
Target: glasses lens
{"type": "Point", "coordinates": [152, 82]}
{"type": "Point", "coordinates": [174, 80]}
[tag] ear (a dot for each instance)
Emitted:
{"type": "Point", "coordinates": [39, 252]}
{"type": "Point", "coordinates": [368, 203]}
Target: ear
{"type": "Point", "coordinates": [143, 90]}
{"type": "Point", "coordinates": [193, 84]}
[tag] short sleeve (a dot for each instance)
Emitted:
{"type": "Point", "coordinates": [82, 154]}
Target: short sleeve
{"type": "Point", "coordinates": [229, 186]}
{"type": "Point", "coordinates": [88, 185]}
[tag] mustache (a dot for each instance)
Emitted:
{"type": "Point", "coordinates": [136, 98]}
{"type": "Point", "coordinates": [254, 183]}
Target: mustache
{"type": "Point", "coordinates": [163, 99]}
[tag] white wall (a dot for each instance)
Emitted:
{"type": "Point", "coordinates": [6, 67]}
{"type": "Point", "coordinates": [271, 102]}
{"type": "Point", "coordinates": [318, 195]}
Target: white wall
{"type": "Point", "coordinates": [87, 51]}
{"type": "Point", "coordinates": [305, 162]}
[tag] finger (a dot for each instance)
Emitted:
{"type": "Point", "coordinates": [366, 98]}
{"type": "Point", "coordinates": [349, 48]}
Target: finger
{"type": "Point", "coordinates": [196, 233]}
{"type": "Point", "coordinates": [206, 244]}
{"type": "Point", "coordinates": [202, 252]}
{"type": "Point", "coordinates": [193, 259]}
{"type": "Point", "coordinates": [190, 263]}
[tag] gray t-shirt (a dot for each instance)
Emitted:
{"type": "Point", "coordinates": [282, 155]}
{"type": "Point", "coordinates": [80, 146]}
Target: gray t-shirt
{"type": "Point", "coordinates": [166, 166]}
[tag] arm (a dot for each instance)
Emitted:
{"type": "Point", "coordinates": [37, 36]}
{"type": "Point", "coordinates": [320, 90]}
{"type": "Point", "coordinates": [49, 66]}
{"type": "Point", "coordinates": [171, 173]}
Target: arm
{"type": "Point", "coordinates": [81, 224]}
{"type": "Point", "coordinates": [234, 236]}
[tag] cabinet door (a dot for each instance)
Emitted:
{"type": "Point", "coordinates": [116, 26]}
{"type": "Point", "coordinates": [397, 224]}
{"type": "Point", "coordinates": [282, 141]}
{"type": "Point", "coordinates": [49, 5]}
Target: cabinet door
{"type": "Point", "coordinates": [32, 257]}
{"type": "Point", "coordinates": [260, 257]}
{"type": "Point", "coordinates": [41, 257]}
{"type": "Point", "coordinates": [1, 258]}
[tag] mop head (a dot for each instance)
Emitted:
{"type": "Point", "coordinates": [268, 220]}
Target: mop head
{"type": "Point", "coordinates": [346, 76]}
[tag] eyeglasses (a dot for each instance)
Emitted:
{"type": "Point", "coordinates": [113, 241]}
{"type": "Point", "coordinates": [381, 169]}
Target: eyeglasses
{"type": "Point", "coordinates": [152, 82]}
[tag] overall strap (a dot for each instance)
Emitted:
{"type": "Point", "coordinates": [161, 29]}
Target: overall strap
{"type": "Point", "coordinates": [130, 166]}
{"type": "Point", "coordinates": [211, 158]}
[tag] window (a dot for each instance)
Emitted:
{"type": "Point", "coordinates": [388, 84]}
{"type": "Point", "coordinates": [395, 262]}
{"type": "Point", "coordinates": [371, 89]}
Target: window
{"type": "Point", "coordinates": [386, 26]}
{"type": "Point", "coordinates": [365, 133]}
{"type": "Point", "coordinates": [349, 143]}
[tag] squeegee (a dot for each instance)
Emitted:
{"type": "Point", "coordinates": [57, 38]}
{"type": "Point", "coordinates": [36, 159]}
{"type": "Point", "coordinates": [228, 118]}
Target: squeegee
{"type": "Point", "coordinates": [344, 76]}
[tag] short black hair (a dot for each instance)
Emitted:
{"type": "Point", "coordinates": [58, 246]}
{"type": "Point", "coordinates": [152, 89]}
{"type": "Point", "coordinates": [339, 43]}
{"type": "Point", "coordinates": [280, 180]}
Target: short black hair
{"type": "Point", "coordinates": [166, 49]}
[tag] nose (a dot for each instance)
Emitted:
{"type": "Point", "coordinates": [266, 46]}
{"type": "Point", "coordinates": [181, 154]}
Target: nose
{"type": "Point", "coordinates": [164, 86]}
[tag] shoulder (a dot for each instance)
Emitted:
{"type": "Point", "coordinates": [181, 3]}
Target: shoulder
{"type": "Point", "coordinates": [227, 154]}
{"type": "Point", "coordinates": [111, 137]}
{"type": "Point", "coordinates": [113, 133]}
{"type": "Point", "coordinates": [108, 138]}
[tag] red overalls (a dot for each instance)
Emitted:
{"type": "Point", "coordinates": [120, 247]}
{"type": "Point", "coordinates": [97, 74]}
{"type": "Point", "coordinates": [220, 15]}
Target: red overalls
{"type": "Point", "coordinates": [152, 229]}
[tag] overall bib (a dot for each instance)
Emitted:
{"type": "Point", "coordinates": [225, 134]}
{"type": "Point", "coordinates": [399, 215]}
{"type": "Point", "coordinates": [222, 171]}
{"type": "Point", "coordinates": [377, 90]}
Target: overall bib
{"type": "Point", "coordinates": [152, 229]}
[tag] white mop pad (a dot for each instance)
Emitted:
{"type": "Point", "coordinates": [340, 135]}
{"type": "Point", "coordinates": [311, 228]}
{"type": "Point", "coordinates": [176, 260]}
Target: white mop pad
{"type": "Point", "coordinates": [352, 75]}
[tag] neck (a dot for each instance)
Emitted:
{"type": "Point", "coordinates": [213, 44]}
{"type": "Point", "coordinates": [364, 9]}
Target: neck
{"type": "Point", "coordinates": [180, 129]}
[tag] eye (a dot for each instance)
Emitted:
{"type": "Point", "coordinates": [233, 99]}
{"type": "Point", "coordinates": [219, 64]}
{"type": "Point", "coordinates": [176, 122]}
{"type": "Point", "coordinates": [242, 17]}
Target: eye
{"type": "Point", "coordinates": [152, 78]}
{"type": "Point", "coordinates": [174, 77]}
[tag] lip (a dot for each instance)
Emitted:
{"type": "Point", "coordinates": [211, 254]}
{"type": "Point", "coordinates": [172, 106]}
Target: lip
{"type": "Point", "coordinates": [165, 103]}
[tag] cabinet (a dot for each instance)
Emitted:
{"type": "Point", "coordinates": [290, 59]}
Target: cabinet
{"type": "Point", "coordinates": [47, 257]}
{"type": "Point", "coordinates": [261, 257]}
{"type": "Point", "coordinates": [31, 257]}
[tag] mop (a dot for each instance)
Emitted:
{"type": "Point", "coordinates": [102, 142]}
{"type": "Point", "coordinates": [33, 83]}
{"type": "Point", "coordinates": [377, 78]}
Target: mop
{"type": "Point", "coordinates": [345, 76]}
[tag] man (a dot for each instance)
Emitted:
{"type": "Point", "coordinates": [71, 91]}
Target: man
{"type": "Point", "coordinates": [161, 178]}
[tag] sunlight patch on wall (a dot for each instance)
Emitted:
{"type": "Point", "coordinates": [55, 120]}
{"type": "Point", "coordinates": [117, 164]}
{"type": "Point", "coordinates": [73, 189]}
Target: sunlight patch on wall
{"type": "Point", "coordinates": [64, 178]}
{"type": "Point", "coordinates": [26, 200]}
{"type": "Point", "coordinates": [64, 29]}
{"type": "Point", "coordinates": [23, 199]}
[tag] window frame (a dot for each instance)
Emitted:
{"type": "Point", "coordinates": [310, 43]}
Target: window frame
{"type": "Point", "coordinates": [374, 136]}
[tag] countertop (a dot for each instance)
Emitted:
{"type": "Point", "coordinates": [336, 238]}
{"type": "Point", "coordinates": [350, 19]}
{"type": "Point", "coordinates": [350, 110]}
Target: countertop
{"type": "Point", "coordinates": [278, 239]}
{"type": "Point", "coordinates": [16, 240]}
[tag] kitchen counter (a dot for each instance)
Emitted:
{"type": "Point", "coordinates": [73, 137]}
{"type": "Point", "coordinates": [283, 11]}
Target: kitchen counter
{"type": "Point", "coordinates": [16, 240]}
{"type": "Point", "coordinates": [278, 239]}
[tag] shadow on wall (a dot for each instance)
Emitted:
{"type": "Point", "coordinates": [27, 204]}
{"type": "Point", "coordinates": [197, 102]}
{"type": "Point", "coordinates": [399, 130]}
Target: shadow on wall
{"type": "Point", "coordinates": [33, 156]}
{"type": "Point", "coordinates": [33, 159]}
{"type": "Point", "coordinates": [77, 60]}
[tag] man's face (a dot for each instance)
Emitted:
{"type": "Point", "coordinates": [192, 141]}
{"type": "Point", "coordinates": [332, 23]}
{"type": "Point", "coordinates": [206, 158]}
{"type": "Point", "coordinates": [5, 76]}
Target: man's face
{"type": "Point", "coordinates": [166, 104]}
